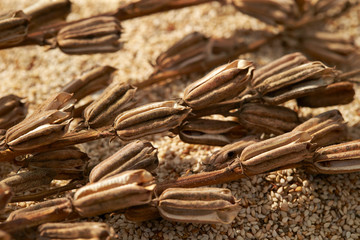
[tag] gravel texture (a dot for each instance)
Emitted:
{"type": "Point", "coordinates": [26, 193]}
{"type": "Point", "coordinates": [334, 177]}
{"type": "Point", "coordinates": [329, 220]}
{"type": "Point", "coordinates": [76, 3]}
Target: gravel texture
{"type": "Point", "coordinates": [288, 204]}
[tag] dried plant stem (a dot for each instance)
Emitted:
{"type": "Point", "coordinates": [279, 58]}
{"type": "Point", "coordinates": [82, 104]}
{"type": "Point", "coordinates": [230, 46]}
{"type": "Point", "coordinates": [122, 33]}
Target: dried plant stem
{"type": "Point", "coordinates": [48, 193]}
{"type": "Point", "coordinates": [232, 173]}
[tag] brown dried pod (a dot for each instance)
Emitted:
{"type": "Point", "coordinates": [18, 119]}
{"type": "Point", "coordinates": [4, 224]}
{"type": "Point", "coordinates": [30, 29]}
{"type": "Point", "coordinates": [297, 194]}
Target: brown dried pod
{"type": "Point", "coordinates": [270, 11]}
{"type": "Point", "coordinates": [115, 99]}
{"type": "Point", "coordinates": [29, 180]}
{"type": "Point", "coordinates": [142, 213]}
{"type": "Point", "coordinates": [279, 65]}
{"type": "Point", "coordinates": [4, 235]}
{"type": "Point", "coordinates": [194, 53]}
{"type": "Point", "coordinates": [135, 155]}
{"type": "Point", "coordinates": [295, 82]}
{"type": "Point", "coordinates": [130, 188]}
{"type": "Point", "coordinates": [48, 211]}
{"type": "Point", "coordinates": [6, 194]}
{"type": "Point", "coordinates": [13, 28]}
{"type": "Point", "coordinates": [59, 101]}
{"type": "Point", "coordinates": [332, 48]}
{"type": "Point", "coordinates": [93, 35]}
{"type": "Point", "coordinates": [198, 205]}
{"type": "Point", "coordinates": [68, 163]}
{"type": "Point", "coordinates": [264, 118]}
{"type": "Point", "coordinates": [150, 119]}
{"type": "Point", "coordinates": [12, 111]}
{"type": "Point", "coordinates": [76, 230]}
{"type": "Point", "coordinates": [211, 132]}
{"type": "Point", "coordinates": [334, 94]}
{"type": "Point", "coordinates": [335, 159]}
{"type": "Point", "coordinates": [223, 83]}
{"type": "Point", "coordinates": [37, 131]}
{"type": "Point", "coordinates": [89, 82]}
{"type": "Point", "coordinates": [46, 12]}
{"type": "Point", "coordinates": [268, 155]}
{"type": "Point", "coordinates": [326, 128]}
{"type": "Point", "coordinates": [229, 153]}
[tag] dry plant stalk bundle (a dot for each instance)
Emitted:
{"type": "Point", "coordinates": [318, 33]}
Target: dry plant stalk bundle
{"type": "Point", "coordinates": [43, 142]}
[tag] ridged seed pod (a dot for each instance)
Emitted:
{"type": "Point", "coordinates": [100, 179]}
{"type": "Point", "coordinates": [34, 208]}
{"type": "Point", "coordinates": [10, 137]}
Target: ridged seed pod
{"type": "Point", "coordinates": [273, 153]}
{"type": "Point", "coordinates": [76, 230]}
{"type": "Point", "coordinates": [13, 28]}
{"type": "Point", "coordinates": [150, 119]}
{"type": "Point", "coordinates": [12, 111]}
{"type": "Point", "coordinates": [130, 188]}
{"type": "Point", "coordinates": [223, 83]}
{"type": "Point", "coordinates": [211, 132]}
{"type": "Point", "coordinates": [262, 118]}
{"type": "Point", "coordinates": [115, 99]}
{"type": "Point", "coordinates": [198, 205]}
{"type": "Point", "coordinates": [135, 155]}
{"type": "Point", "coordinates": [93, 35]}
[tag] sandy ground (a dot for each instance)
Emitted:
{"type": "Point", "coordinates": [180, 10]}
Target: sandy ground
{"type": "Point", "coordinates": [289, 204]}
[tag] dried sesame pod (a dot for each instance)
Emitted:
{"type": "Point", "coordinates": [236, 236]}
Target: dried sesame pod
{"type": "Point", "coordinates": [306, 71]}
{"type": "Point", "coordinates": [273, 153]}
{"type": "Point", "coordinates": [194, 53]}
{"type": "Point", "coordinates": [90, 82]}
{"type": "Point", "coordinates": [68, 163]}
{"type": "Point", "coordinates": [332, 48]}
{"type": "Point", "coordinates": [223, 83]}
{"type": "Point", "coordinates": [12, 111]}
{"type": "Point", "coordinates": [210, 132]}
{"type": "Point", "coordinates": [13, 28]}
{"type": "Point", "coordinates": [46, 12]}
{"type": "Point", "coordinates": [59, 101]}
{"type": "Point", "coordinates": [335, 159]}
{"type": "Point", "coordinates": [29, 180]}
{"type": "Point", "coordinates": [115, 99]}
{"type": "Point", "coordinates": [6, 194]}
{"type": "Point", "coordinates": [130, 188]}
{"type": "Point", "coordinates": [326, 128]}
{"type": "Point", "coordinates": [135, 155]}
{"type": "Point", "coordinates": [263, 118]}
{"type": "Point", "coordinates": [282, 64]}
{"type": "Point", "coordinates": [269, 11]}
{"type": "Point", "coordinates": [30, 137]}
{"type": "Point", "coordinates": [93, 35]}
{"type": "Point", "coordinates": [80, 230]}
{"type": "Point", "coordinates": [150, 119]}
{"type": "Point", "coordinates": [142, 213]}
{"type": "Point", "coordinates": [229, 153]}
{"type": "Point", "coordinates": [48, 211]}
{"type": "Point", "coordinates": [198, 205]}
{"type": "Point", "coordinates": [334, 94]}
